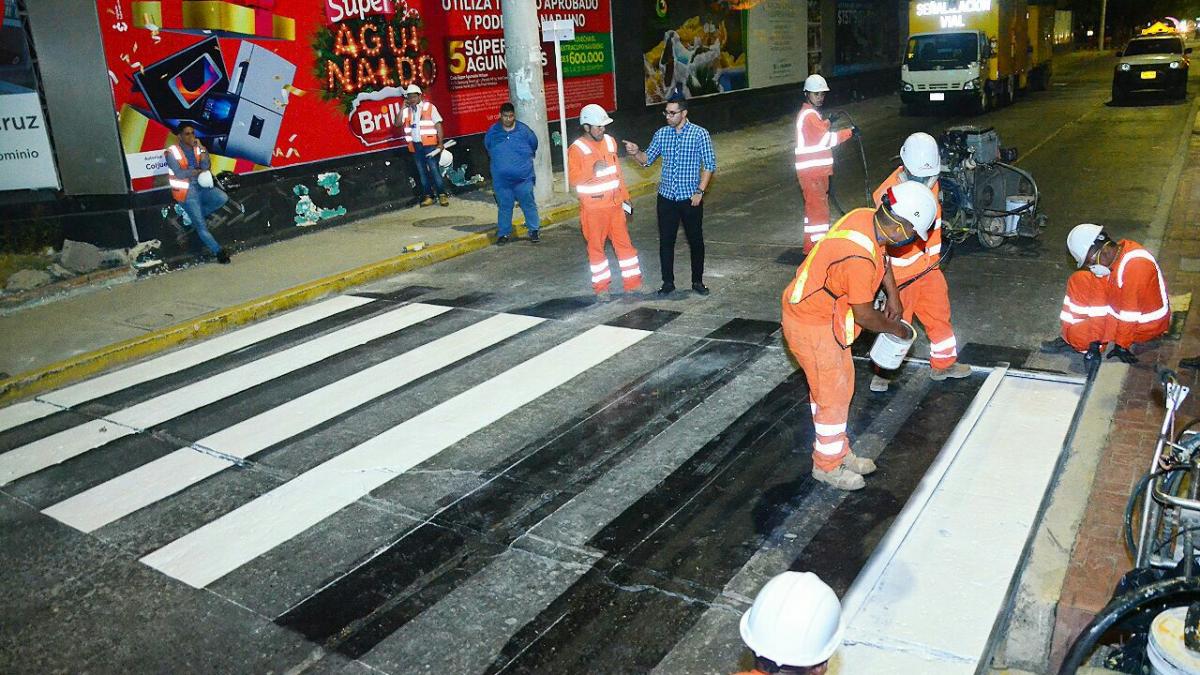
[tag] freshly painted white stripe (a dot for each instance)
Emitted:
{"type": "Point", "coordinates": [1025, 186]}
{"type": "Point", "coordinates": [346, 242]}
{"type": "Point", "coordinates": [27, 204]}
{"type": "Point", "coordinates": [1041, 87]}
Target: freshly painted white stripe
{"type": "Point", "coordinates": [209, 553]}
{"type": "Point", "coordinates": [69, 443]}
{"type": "Point", "coordinates": [172, 473]}
{"type": "Point", "coordinates": [173, 362]}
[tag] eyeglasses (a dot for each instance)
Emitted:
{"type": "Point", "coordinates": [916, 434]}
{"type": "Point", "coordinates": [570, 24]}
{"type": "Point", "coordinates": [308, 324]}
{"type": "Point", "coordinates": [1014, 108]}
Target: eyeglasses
{"type": "Point", "coordinates": [668, 113]}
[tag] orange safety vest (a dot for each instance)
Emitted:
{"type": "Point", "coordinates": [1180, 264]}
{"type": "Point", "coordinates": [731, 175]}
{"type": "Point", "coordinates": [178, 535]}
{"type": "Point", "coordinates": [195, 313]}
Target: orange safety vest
{"type": "Point", "coordinates": [913, 259]}
{"type": "Point", "coordinates": [815, 143]}
{"type": "Point", "coordinates": [425, 129]}
{"type": "Point", "coordinates": [1137, 307]}
{"type": "Point", "coordinates": [602, 187]}
{"type": "Point", "coordinates": [180, 186]}
{"type": "Point", "coordinates": [853, 236]}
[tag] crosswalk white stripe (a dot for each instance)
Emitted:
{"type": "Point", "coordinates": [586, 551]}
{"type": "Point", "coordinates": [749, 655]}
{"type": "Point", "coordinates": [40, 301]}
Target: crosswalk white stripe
{"type": "Point", "coordinates": [184, 467]}
{"type": "Point", "coordinates": [218, 548]}
{"type": "Point", "coordinates": [69, 443]}
{"type": "Point", "coordinates": [172, 362]}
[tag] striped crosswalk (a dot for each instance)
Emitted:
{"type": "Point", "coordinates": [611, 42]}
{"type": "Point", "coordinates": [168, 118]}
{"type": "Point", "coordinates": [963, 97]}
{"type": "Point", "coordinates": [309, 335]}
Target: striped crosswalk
{"type": "Point", "coordinates": [649, 463]}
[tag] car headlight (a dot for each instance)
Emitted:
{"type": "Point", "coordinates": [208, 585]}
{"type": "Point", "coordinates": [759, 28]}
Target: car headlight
{"type": "Point", "coordinates": [1176, 65]}
{"type": "Point", "coordinates": [1124, 67]}
{"type": "Point", "coordinates": [908, 87]}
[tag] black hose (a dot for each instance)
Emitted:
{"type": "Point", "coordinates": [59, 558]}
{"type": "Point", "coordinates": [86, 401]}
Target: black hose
{"type": "Point", "coordinates": [1180, 591]}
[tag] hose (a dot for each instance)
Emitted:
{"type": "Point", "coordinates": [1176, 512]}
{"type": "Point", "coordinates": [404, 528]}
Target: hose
{"type": "Point", "coordinates": [1179, 591]}
{"type": "Point", "coordinates": [862, 153]}
{"type": "Point", "coordinates": [1174, 478]}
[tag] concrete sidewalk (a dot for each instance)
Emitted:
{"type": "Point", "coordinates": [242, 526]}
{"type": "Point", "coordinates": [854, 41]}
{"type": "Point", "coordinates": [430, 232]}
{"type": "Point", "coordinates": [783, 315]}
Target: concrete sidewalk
{"type": "Point", "coordinates": [119, 318]}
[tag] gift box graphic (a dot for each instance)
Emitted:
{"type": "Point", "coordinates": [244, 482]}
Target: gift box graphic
{"type": "Point", "coordinates": [222, 18]}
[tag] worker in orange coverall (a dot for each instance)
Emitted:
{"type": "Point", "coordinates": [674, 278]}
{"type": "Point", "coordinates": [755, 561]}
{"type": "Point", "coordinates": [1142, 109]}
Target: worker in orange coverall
{"type": "Point", "coordinates": [814, 159]}
{"type": "Point", "coordinates": [1120, 298]}
{"type": "Point", "coordinates": [831, 299]}
{"type": "Point", "coordinates": [923, 290]}
{"type": "Point", "coordinates": [595, 172]}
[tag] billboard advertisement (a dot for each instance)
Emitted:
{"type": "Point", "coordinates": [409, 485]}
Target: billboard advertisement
{"type": "Point", "coordinates": [274, 83]}
{"type": "Point", "coordinates": [26, 158]}
{"type": "Point", "coordinates": [694, 48]}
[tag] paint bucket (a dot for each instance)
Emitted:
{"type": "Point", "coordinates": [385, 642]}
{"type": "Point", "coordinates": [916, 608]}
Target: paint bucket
{"type": "Point", "coordinates": [889, 351]}
{"type": "Point", "coordinates": [1013, 203]}
{"type": "Point", "coordinates": [1166, 649]}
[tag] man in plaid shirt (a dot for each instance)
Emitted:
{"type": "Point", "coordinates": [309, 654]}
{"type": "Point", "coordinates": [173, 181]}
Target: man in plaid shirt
{"type": "Point", "coordinates": [688, 165]}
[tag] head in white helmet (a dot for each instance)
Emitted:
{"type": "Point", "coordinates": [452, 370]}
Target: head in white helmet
{"type": "Point", "coordinates": [795, 622]}
{"type": "Point", "coordinates": [920, 155]}
{"type": "Point", "coordinates": [1090, 245]}
{"type": "Point", "coordinates": [907, 212]}
{"type": "Point", "coordinates": [815, 88]}
{"type": "Point", "coordinates": [594, 119]}
{"type": "Point", "coordinates": [412, 94]}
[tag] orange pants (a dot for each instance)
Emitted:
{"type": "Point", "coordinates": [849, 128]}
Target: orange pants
{"type": "Point", "coordinates": [608, 224]}
{"type": "Point", "coordinates": [928, 298]}
{"type": "Point", "coordinates": [1091, 320]}
{"type": "Point", "coordinates": [816, 208]}
{"type": "Point", "coordinates": [830, 373]}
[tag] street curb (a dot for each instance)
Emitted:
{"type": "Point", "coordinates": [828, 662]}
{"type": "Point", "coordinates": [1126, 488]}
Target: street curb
{"type": "Point", "coordinates": [68, 371]}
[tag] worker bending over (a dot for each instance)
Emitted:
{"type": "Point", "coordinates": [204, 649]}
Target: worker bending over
{"type": "Point", "coordinates": [794, 626]}
{"type": "Point", "coordinates": [923, 290]}
{"type": "Point", "coordinates": [595, 172]}
{"type": "Point", "coordinates": [1120, 298]}
{"type": "Point", "coordinates": [814, 158]}
{"type": "Point", "coordinates": [831, 299]}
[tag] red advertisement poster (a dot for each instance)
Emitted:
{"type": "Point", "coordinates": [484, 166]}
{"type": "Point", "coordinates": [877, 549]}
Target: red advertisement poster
{"type": "Point", "coordinates": [273, 83]}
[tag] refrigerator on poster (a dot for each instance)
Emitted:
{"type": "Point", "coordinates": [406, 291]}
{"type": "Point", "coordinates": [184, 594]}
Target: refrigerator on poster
{"type": "Point", "coordinates": [274, 83]}
{"type": "Point", "coordinates": [694, 48]}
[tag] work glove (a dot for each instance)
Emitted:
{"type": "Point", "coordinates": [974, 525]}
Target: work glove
{"type": "Point", "coordinates": [1093, 353]}
{"type": "Point", "coordinates": [1119, 352]}
{"type": "Point", "coordinates": [854, 132]}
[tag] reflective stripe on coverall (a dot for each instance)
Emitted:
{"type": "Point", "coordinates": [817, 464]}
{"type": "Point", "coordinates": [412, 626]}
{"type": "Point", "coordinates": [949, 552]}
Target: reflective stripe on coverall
{"type": "Point", "coordinates": [601, 193]}
{"type": "Point", "coordinates": [814, 166]}
{"type": "Point", "coordinates": [1127, 306]}
{"type": "Point", "coordinates": [844, 268]}
{"type": "Point", "coordinates": [928, 297]}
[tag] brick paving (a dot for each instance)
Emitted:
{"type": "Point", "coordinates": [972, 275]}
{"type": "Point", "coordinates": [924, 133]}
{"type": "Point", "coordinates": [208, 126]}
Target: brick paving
{"type": "Point", "coordinates": [1100, 557]}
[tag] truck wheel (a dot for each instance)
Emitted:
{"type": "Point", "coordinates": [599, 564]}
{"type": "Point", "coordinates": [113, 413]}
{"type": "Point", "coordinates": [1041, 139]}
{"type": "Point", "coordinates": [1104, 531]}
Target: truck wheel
{"type": "Point", "coordinates": [988, 226]}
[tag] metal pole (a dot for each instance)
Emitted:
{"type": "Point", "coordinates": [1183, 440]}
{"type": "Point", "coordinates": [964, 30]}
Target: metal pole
{"type": "Point", "coordinates": [562, 113]}
{"type": "Point", "coordinates": [1103, 12]}
{"type": "Point", "coordinates": [526, 89]}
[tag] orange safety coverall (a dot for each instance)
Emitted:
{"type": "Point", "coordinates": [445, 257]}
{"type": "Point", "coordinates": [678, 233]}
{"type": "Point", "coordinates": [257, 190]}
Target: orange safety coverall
{"type": "Point", "coordinates": [845, 268]}
{"type": "Point", "coordinates": [814, 166]}
{"type": "Point", "coordinates": [1127, 306]}
{"type": "Point", "coordinates": [596, 174]}
{"type": "Point", "coordinates": [923, 290]}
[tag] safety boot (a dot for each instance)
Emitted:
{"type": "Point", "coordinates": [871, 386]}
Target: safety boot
{"type": "Point", "coordinates": [604, 296]}
{"type": "Point", "coordinates": [427, 201]}
{"type": "Point", "coordinates": [1056, 346]}
{"type": "Point", "coordinates": [840, 478]}
{"type": "Point", "coordinates": [444, 199]}
{"type": "Point", "coordinates": [954, 372]}
{"type": "Point", "coordinates": [859, 465]}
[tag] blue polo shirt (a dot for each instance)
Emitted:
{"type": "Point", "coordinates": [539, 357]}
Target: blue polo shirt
{"type": "Point", "coordinates": [511, 152]}
{"type": "Point", "coordinates": [684, 153]}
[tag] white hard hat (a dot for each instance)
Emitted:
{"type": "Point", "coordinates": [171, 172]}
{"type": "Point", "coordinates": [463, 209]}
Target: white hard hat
{"type": "Point", "coordinates": [815, 82]}
{"type": "Point", "coordinates": [205, 179]}
{"type": "Point", "coordinates": [914, 202]}
{"type": "Point", "coordinates": [795, 620]}
{"type": "Point", "coordinates": [594, 115]}
{"type": "Point", "coordinates": [412, 89]}
{"type": "Point", "coordinates": [920, 155]}
{"type": "Point", "coordinates": [445, 159]}
{"type": "Point", "coordinates": [1080, 241]}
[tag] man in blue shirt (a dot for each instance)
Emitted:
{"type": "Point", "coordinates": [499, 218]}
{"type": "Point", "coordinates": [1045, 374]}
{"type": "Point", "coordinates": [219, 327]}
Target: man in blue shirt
{"type": "Point", "coordinates": [512, 145]}
{"type": "Point", "coordinates": [688, 164]}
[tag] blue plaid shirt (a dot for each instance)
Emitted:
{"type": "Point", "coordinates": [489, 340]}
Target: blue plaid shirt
{"type": "Point", "coordinates": [684, 153]}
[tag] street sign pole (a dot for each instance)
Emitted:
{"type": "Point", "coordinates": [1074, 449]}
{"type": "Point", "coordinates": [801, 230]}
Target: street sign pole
{"type": "Point", "coordinates": [558, 31]}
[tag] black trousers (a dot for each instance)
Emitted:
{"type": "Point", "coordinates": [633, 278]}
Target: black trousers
{"type": "Point", "coordinates": [671, 214]}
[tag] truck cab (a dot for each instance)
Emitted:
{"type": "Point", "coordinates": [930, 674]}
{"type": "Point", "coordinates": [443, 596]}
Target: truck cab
{"type": "Point", "coordinates": [944, 68]}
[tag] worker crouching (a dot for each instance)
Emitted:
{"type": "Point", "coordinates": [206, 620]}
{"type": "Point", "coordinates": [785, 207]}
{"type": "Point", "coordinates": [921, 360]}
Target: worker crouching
{"type": "Point", "coordinates": [831, 299]}
{"type": "Point", "coordinates": [1120, 298]}
{"type": "Point", "coordinates": [595, 171]}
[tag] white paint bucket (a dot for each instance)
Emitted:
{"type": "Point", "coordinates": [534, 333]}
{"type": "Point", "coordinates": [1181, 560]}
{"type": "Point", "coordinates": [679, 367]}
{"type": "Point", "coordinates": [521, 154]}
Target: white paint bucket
{"type": "Point", "coordinates": [1166, 649]}
{"type": "Point", "coordinates": [1012, 204]}
{"type": "Point", "coordinates": [889, 351]}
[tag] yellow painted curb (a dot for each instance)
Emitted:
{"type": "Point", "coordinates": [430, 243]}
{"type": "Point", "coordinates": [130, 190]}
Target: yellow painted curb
{"type": "Point", "coordinates": [76, 368]}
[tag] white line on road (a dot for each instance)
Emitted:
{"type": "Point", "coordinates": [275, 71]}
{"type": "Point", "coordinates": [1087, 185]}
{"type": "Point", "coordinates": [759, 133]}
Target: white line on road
{"type": "Point", "coordinates": [73, 442]}
{"type": "Point", "coordinates": [209, 553]}
{"type": "Point", "coordinates": [184, 467]}
{"type": "Point", "coordinates": [172, 362]}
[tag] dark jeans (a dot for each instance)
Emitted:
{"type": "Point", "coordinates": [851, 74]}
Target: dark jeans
{"type": "Point", "coordinates": [670, 214]}
{"type": "Point", "coordinates": [428, 171]}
